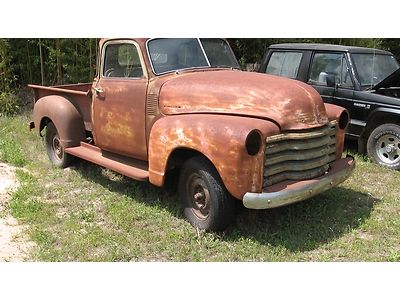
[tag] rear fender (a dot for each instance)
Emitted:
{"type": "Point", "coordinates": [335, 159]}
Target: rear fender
{"type": "Point", "coordinates": [64, 115]}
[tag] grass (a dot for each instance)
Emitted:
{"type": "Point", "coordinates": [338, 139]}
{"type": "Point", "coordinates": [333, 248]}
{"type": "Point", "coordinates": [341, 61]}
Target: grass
{"type": "Point", "coordinates": [87, 213]}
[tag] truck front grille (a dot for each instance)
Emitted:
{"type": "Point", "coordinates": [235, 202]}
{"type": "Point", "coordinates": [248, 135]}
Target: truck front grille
{"type": "Point", "coordinates": [299, 155]}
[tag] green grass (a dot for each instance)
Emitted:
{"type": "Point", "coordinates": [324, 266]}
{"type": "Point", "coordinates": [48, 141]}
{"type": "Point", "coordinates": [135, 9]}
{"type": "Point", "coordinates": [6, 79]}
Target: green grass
{"type": "Point", "coordinates": [87, 213]}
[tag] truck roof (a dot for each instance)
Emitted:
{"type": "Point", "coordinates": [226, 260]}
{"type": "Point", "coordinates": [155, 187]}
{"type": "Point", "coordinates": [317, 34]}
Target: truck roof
{"type": "Point", "coordinates": [328, 47]}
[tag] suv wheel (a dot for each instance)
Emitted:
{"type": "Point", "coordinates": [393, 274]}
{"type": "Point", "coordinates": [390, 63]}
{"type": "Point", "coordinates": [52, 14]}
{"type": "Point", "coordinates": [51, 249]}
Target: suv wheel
{"type": "Point", "coordinates": [383, 146]}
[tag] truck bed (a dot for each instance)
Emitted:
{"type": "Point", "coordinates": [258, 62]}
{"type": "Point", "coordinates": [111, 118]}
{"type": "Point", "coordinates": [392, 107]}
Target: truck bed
{"type": "Point", "coordinates": [79, 95]}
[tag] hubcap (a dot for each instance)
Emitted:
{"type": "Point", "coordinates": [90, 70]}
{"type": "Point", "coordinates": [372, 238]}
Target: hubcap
{"type": "Point", "coordinates": [199, 196]}
{"type": "Point", "coordinates": [57, 148]}
{"type": "Point", "coordinates": [388, 149]}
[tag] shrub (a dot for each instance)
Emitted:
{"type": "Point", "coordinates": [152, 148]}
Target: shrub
{"type": "Point", "coordinates": [10, 104]}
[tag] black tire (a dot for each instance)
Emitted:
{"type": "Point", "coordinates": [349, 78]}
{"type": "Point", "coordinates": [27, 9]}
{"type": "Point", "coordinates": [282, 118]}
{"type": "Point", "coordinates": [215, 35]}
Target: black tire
{"type": "Point", "coordinates": [207, 204]}
{"type": "Point", "coordinates": [54, 149]}
{"type": "Point", "coordinates": [383, 146]}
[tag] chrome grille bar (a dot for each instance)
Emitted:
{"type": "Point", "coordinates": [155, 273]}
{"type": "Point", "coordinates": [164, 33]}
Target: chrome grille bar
{"type": "Point", "coordinates": [299, 155]}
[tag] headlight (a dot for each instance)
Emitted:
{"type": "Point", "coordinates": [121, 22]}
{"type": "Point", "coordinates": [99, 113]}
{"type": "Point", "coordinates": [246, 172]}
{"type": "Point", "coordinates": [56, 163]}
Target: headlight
{"type": "Point", "coordinates": [253, 142]}
{"type": "Point", "coordinates": [344, 119]}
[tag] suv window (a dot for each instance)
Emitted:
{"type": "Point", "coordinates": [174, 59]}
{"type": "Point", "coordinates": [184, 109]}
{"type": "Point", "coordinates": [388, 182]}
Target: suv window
{"type": "Point", "coordinates": [325, 64]}
{"type": "Point", "coordinates": [122, 61]}
{"type": "Point", "coordinates": [284, 64]}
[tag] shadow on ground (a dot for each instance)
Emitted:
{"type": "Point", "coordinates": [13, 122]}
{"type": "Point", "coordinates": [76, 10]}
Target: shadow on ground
{"type": "Point", "coordinates": [302, 226]}
{"type": "Point", "coordinates": [305, 225]}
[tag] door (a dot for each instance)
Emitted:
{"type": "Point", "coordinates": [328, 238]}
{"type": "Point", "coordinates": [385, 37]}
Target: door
{"type": "Point", "coordinates": [119, 101]}
{"type": "Point", "coordinates": [325, 64]}
{"type": "Point", "coordinates": [336, 65]}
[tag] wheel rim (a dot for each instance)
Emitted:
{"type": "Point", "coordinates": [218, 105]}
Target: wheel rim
{"type": "Point", "coordinates": [199, 196]}
{"type": "Point", "coordinates": [57, 148]}
{"type": "Point", "coordinates": [388, 149]}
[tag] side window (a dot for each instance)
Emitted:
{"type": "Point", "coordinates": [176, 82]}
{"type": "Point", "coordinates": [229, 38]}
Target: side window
{"type": "Point", "coordinates": [284, 64]}
{"type": "Point", "coordinates": [328, 64]}
{"type": "Point", "coordinates": [122, 61]}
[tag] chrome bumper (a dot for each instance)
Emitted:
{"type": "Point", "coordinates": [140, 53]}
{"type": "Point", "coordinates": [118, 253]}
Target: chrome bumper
{"type": "Point", "coordinates": [288, 192]}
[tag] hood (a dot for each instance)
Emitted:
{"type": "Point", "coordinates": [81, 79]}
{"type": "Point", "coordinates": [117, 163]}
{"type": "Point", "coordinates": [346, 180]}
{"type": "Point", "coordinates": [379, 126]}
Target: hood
{"type": "Point", "coordinates": [393, 80]}
{"type": "Point", "coordinates": [289, 103]}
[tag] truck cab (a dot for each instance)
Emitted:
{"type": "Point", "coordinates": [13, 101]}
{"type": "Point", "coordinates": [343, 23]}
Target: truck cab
{"type": "Point", "coordinates": [181, 111]}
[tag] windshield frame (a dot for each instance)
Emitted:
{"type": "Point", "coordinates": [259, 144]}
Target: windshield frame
{"type": "Point", "coordinates": [191, 68]}
{"type": "Point", "coordinates": [369, 86]}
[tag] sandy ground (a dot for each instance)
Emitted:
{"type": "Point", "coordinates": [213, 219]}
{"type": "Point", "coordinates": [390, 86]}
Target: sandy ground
{"type": "Point", "coordinates": [14, 245]}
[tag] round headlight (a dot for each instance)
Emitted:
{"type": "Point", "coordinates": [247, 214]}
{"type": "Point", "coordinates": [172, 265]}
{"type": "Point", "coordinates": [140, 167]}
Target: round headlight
{"type": "Point", "coordinates": [344, 119]}
{"type": "Point", "coordinates": [253, 142]}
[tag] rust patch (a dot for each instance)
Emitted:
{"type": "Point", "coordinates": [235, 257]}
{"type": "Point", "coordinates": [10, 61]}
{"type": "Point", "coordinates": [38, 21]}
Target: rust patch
{"type": "Point", "coordinates": [292, 104]}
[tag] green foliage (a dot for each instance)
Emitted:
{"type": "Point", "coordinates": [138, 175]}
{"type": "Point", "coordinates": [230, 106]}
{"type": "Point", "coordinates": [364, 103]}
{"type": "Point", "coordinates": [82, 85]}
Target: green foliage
{"type": "Point", "coordinates": [7, 78]}
{"type": "Point", "coordinates": [64, 61]}
{"type": "Point", "coordinates": [68, 61]}
{"type": "Point", "coordinates": [11, 152]}
{"type": "Point", "coordinates": [10, 104]}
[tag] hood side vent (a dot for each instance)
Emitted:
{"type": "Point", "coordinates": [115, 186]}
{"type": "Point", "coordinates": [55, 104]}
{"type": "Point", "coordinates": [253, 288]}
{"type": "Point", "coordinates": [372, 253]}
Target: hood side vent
{"type": "Point", "coordinates": [152, 105]}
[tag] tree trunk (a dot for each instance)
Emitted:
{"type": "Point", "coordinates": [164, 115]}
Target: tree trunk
{"type": "Point", "coordinates": [41, 62]}
{"type": "Point", "coordinates": [29, 61]}
{"type": "Point", "coordinates": [58, 55]}
{"type": "Point", "coordinates": [90, 61]}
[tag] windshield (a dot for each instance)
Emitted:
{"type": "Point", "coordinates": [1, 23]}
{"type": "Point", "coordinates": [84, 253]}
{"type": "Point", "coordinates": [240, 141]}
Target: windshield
{"type": "Point", "coordinates": [168, 55]}
{"type": "Point", "coordinates": [372, 69]}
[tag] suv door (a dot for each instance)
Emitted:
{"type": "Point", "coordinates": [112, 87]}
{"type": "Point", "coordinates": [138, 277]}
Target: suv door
{"type": "Point", "coordinates": [119, 100]}
{"type": "Point", "coordinates": [335, 65]}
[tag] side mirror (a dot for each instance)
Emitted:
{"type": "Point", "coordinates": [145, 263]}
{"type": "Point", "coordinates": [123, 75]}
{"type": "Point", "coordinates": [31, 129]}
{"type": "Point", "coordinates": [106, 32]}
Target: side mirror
{"type": "Point", "coordinates": [330, 81]}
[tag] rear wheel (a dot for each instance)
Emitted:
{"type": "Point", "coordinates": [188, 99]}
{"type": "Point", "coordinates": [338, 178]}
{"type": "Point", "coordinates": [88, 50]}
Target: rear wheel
{"type": "Point", "coordinates": [55, 150]}
{"type": "Point", "coordinates": [383, 145]}
{"type": "Point", "coordinates": [207, 204]}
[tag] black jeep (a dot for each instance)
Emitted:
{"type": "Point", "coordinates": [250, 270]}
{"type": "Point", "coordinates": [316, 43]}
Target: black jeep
{"type": "Point", "coordinates": [365, 81]}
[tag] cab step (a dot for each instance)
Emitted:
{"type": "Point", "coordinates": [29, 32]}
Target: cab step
{"type": "Point", "coordinates": [129, 167]}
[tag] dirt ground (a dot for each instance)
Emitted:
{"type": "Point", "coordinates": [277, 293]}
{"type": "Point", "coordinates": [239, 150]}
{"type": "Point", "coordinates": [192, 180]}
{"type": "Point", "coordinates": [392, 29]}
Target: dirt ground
{"type": "Point", "coordinates": [14, 245]}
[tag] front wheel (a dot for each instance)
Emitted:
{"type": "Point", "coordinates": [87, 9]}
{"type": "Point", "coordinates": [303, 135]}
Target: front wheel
{"type": "Point", "coordinates": [207, 204]}
{"type": "Point", "coordinates": [55, 150]}
{"type": "Point", "coordinates": [383, 146]}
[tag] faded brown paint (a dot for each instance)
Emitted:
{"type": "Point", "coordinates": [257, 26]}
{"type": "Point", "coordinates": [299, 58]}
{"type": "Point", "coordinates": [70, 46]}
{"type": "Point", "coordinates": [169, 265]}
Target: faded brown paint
{"type": "Point", "coordinates": [334, 112]}
{"type": "Point", "coordinates": [119, 116]}
{"type": "Point", "coordinates": [207, 110]}
{"type": "Point", "coordinates": [78, 94]}
{"type": "Point", "coordinates": [220, 138]}
{"type": "Point", "coordinates": [65, 117]}
{"type": "Point", "coordinates": [292, 104]}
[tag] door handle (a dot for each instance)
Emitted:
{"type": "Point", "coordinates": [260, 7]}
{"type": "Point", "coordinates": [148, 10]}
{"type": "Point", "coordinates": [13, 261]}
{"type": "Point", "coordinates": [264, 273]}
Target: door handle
{"type": "Point", "coordinates": [98, 90]}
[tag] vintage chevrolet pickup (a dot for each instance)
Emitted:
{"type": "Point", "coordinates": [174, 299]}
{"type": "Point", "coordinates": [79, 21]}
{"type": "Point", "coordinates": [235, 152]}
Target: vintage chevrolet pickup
{"type": "Point", "coordinates": [161, 109]}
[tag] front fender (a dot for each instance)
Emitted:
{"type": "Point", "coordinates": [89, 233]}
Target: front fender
{"type": "Point", "coordinates": [64, 115]}
{"type": "Point", "coordinates": [334, 112]}
{"type": "Point", "coordinates": [220, 138]}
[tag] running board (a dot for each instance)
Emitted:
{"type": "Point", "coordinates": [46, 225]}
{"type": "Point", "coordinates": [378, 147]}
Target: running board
{"type": "Point", "coordinates": [129, 167]}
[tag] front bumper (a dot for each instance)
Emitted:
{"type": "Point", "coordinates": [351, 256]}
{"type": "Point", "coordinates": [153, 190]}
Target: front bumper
{"type": "Point", "coordinates": [289, 191]}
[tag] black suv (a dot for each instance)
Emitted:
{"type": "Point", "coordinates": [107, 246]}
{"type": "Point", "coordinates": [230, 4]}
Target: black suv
{"type": "Point", "coordinates": [365, 81]}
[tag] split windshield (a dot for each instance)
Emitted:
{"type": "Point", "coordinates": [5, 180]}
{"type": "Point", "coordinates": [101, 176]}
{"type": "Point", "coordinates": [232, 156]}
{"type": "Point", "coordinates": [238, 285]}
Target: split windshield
{"type": "Point", "coordinates": [169, 55]}
{"type": "Point", "coordinates": [372, 68]}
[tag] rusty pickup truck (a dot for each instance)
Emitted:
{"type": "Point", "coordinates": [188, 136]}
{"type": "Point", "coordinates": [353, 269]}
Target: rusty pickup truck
{"type": "Point", "coordinates": [165, 109]}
